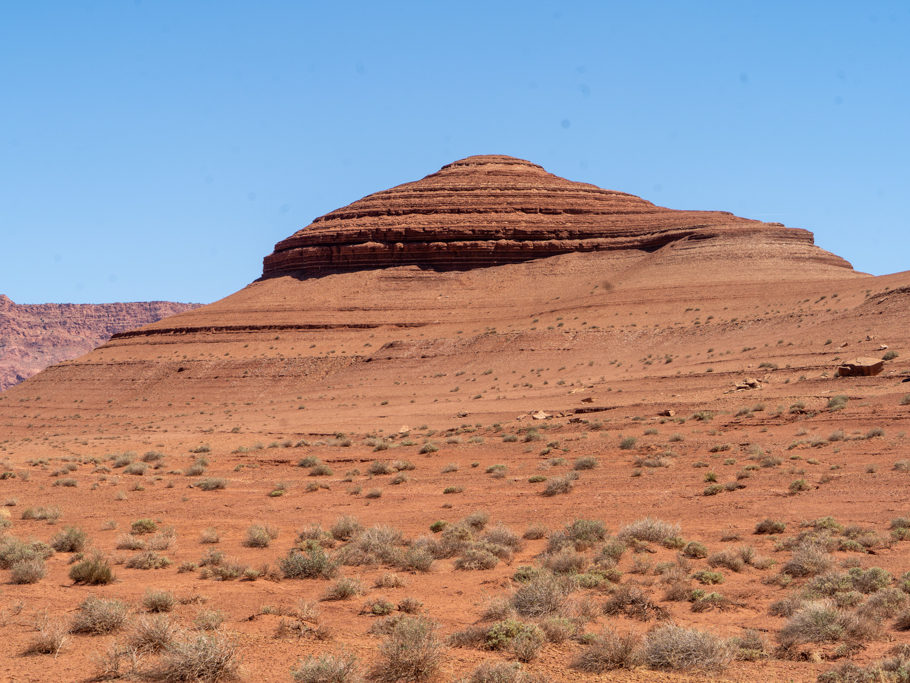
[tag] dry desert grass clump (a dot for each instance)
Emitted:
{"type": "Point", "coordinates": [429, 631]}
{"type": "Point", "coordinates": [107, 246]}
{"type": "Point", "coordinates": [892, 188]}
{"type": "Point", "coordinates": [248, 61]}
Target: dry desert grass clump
{"type": "Point", "coordinates": [327, 669]}
{"type": "Point", "coordinates": [411, 651]}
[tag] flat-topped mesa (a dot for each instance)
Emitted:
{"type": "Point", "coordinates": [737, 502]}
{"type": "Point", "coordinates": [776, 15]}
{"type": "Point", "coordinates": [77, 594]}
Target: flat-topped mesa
{"type": "Point", "coordinates": [493, 209]}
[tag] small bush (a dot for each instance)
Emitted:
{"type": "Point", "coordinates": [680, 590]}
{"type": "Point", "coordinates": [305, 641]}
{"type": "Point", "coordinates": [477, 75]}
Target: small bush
{"type": "Point", "coordinates": [343, 589]}
{"type": "Point", "coordinates": [541, 596]}
{"type": "Point", "coordinates": [327, 669]}
{"type": "Point", "coordinates": [609, 651]}
{"type": "Point", "coordinates": [312, 564]}
{"type": "Point", "coordinates": [889, 355]}
{"type": "Point", "coordinates": [96, 616]}
{"type": "Point", "coordinates": [499, 672]}
{"type": "Point", "coordinates": [818, 622]}
{"type": "Point", "coordinates": [158, 601]}
{"type": "Point", "coordinates": [203, 658]}
{"type": "Point", "coordinates": [884, 604]}
{"type": "Point", "coordinates": [677, 648]}
{"type": "Point", "coordinates": [526, 645]}
{"type": "Point", "coordinates": [258, 536]}
{"type": "Point", "coordinates": [630, 601]}
{"type": "Point", "coordinates": [535, 532]}
{"type": "Point", "coordinates": [70, 540]}
{"type": "Point", "coordinates": [321, 470]}
{"type": "Point", "coordinates": [93, 571]}
{"type": "Point", "coordinates": [51, 638]}
{"type": "Point", "coordinates": [28, 571]}
{"type": "Point", "coordinates": [210, 535]}
{"type": "Point", "coordinates": [586, 463]}
{"type": "Point", "coordinates": [770, 526]}
{"type": "Point", "coordinates": [627, 443]}
{"type": "Point", "coordinates": [808, 560]}
{"type": "Point", "coordinates": [211, 484]}
{"type": "Point", "coordinates": [143, 526]}
{"type": "Point", "coordinates": [208, 620]}
{"type": "Point", "coordinates": [708, 578]}
{"type": "Point", "coordinates": [837, 402]}
{"type": "Point", "coordinates": [153, 634]}
{"type": "Point", "coordinates": [562, 484]}
{"type": "Point", "coordinates": [147, 560]}
{"type": "Point", "coordinates": [695, 550]}
{"type": "Point", "coordinates": [345, 528]}
{"type": "Point", "coordinates": [648, 529]}
{"type": "Point", "coordinates": [411, 652]}
{"type": "Point", "coordinates": [799, 485]}
{"type": "Point", "coordinates": [476, 557]}
{"type": "Point", "coordinates": [730, 559]}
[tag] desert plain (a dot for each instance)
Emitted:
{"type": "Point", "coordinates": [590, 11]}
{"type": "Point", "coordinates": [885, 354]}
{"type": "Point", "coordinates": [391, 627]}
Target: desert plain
{"type": "Point", "coordinates": [539, 426]}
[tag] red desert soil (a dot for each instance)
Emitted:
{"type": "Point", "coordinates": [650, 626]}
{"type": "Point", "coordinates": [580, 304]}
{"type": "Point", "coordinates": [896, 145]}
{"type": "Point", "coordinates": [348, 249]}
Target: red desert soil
{"type": "Point", "coordinates": [631, 357]}
{"type": "Point", "coordinates": [35, 336]}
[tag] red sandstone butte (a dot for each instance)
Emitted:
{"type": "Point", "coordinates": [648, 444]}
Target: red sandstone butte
{"type": "Point", "coordinates": [494, 209]}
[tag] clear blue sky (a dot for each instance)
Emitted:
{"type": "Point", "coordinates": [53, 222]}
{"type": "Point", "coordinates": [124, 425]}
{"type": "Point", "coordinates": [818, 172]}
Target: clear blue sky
{"type": "Point", "coordinates": [159, 149]}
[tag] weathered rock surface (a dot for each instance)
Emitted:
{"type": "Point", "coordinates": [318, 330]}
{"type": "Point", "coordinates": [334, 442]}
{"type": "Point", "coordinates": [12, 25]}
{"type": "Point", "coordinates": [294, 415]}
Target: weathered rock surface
{"type": "Point", "coordinates": [861, 367]}
{"type": "Point", "coordinates": [33, 337]}
{"type": "Point", "coordinates": [493, 209]}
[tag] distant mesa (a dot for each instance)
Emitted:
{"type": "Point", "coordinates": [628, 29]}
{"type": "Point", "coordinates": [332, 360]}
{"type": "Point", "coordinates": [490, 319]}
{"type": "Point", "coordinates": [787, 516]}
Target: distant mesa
{"type": "Point", "coordinates": [494, 209]}
{"type": "Point", "coordinates": [34, 336]}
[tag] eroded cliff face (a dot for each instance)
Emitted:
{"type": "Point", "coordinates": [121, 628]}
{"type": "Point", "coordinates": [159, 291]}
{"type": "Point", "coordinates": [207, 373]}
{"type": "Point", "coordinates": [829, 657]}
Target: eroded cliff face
{"type": "Point", "coordinates": [33, 337]}
{"type": "Point", "coordinates": [491, 210]}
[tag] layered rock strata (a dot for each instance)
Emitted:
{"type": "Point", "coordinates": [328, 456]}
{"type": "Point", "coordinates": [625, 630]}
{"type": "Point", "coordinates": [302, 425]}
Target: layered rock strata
{"type": "Point", "coordinates": [491, 210]}
{"type": "Point", "coordinates": [33, 337]}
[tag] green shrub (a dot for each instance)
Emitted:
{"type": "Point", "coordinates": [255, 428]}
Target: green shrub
{"type": "Point", "coordinates": [259, 536]}
{"type": "Point", "coordinates": [312, 564]}
{"type": "Point", "coordinates": [708, 577]}
{"type": "Point", "coordinates": [562, 484]}
{"type": "Point", "coordinates": [144, 526]}
{"type": "Point", "coordinates": [93, 571]}
{"type": "Point", "coordinates": [158, 601]}
{"type": "Point", "coordinates": [586, 463]}
{"type": "Point", "coordinates": [343, 589]}
{"type": "Point", "coordinates": [147, 560]}
{"type": "Point", "coordinates": [695, 550]}
{"type": "Point", "coordinates": [799, 485]}
{"type": "Point", "coordinates": [345, 528]}
{"type": "Point", "coordinates": [70, 540]}
{"type": "Point", "coordinates": [211, 484]}
{"type": "Point", "coordinates": [770, 526]}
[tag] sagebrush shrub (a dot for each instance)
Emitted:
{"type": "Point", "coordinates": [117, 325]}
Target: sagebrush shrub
{"type": "Point", "coordinates": [411, 652]}
{"type": "Point", "coordinates": [96, 616]}
{"type": "Point", "coordinates": [678, 648]}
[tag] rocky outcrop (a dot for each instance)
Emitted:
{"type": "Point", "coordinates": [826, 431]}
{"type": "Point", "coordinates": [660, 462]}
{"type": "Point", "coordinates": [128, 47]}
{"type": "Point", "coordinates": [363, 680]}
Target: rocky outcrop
{"type": "Point", "coordinates": [860, 367]}
{"type": "Point", "coordinates": [492, 210]}
{"type": "Point", "coordinates": [33, 337]}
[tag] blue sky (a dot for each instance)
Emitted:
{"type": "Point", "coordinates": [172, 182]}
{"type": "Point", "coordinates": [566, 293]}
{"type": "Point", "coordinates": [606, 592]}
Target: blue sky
{"type": "Point", "coordinates": [159, 149]}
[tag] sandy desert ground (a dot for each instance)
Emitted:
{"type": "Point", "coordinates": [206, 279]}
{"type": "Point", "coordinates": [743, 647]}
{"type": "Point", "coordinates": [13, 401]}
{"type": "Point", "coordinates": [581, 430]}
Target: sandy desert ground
{"type": "Point", "coordinates": [477, 450]}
